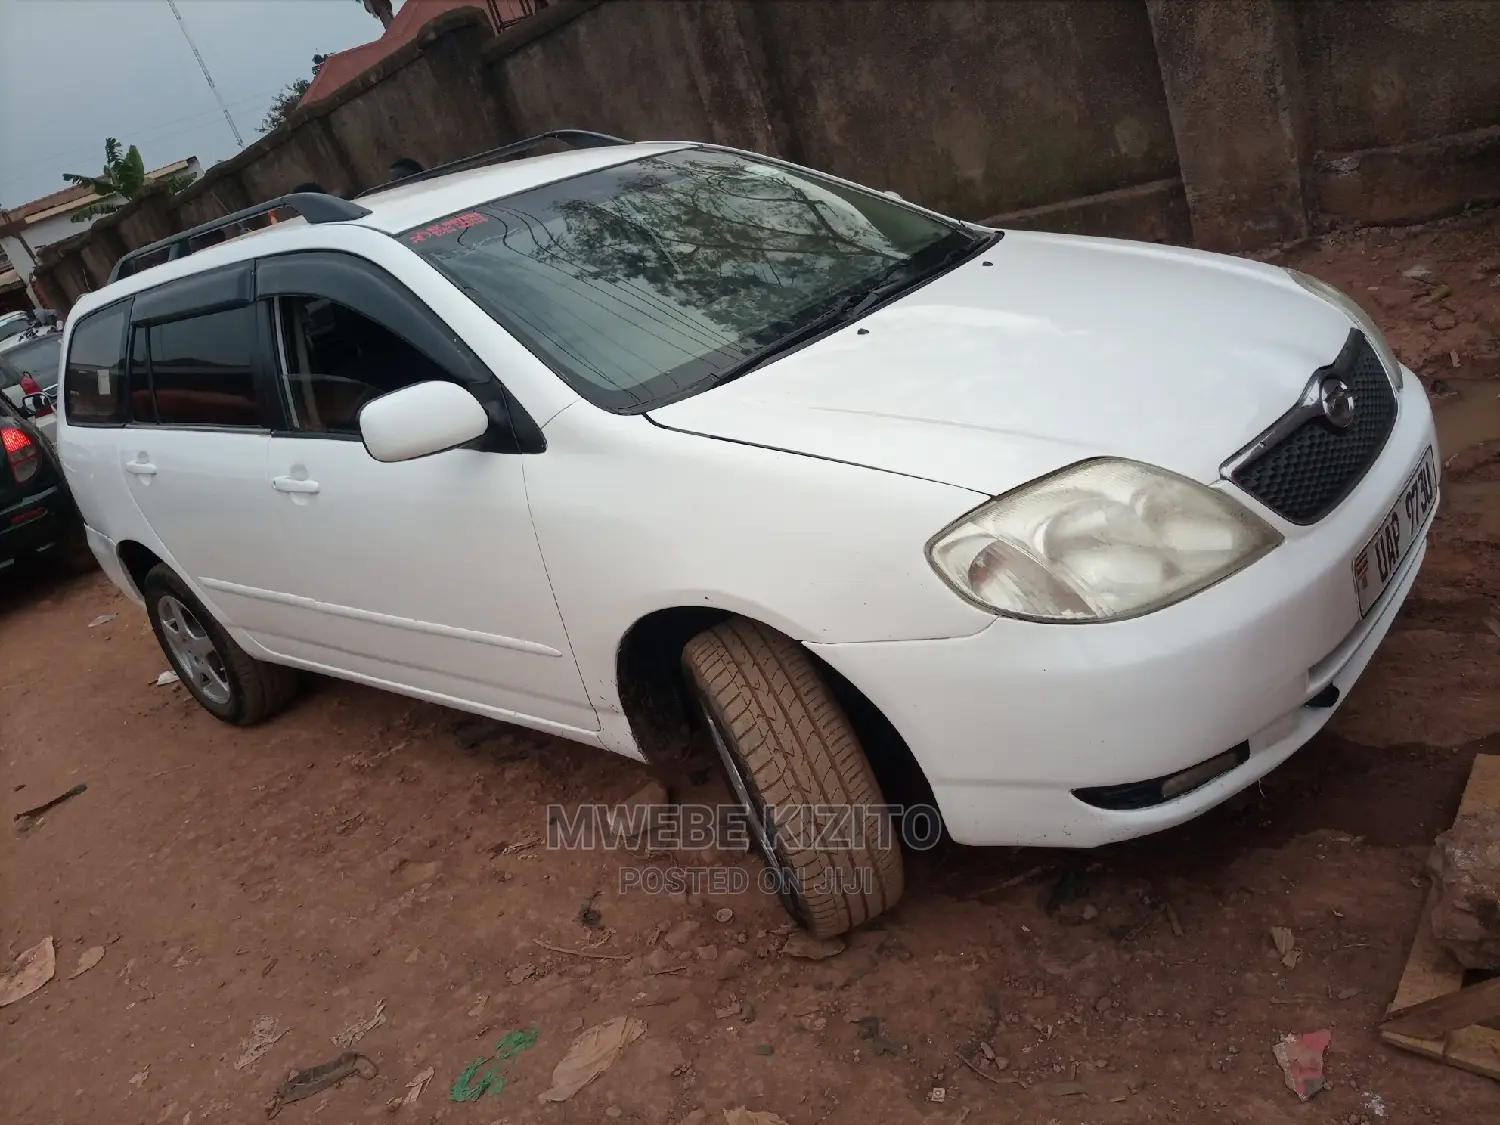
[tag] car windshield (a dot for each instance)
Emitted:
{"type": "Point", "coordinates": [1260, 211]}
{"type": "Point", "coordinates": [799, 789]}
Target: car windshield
{"type": "Point", "coordinates": [648, 281]}
{"type": "Point", "coordinates": [37, 358]}
{"type": "Point", "coordinates": [13, 326]}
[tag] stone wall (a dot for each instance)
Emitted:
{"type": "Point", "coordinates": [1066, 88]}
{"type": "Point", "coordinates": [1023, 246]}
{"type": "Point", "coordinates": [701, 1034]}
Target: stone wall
{"type": "Point", "coordinates": [1232, 124]}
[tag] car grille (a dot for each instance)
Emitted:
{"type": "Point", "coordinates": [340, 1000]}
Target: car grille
{"type": "Point", "coordinates": [1308, 472]}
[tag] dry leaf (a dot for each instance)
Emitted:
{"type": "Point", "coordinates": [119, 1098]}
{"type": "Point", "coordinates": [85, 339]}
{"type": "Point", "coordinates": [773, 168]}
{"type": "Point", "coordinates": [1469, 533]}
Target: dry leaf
{"type": "Point", "coordinates": [743, 1116]}
{"type": "Point", "coordinates": [87, 960]}
{"type": "Point", "coordinates": [262, 1036]}
{"type": "Point", "coordinates": [360, 1028]}
{"type": "Point", "coordinates": [33, 968]}
{"type": "Point", "coordinates": [1286, 945]}
{"type": "Point", "coordinates": [414, 1089]}
{"type": "Point", "coordinates": [803, 944]}
{"type": "Point", "coordinates": [591, 1054]}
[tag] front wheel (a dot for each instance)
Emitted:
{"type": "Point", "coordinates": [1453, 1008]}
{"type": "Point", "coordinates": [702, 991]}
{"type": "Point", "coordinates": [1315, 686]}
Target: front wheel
{"type": "Point", "coordinates": [229, 683]}
{"type": "Point", "coordinates": [792, 759]}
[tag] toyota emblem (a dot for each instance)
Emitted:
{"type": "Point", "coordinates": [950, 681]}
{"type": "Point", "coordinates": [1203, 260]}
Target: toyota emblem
{"type": "Point", "coordinates": [1337, 401]}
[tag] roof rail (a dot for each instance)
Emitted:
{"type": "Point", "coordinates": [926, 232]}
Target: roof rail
{"type": "Point", "coordinates": [315, 207]}
{"type": "Point", "coordinates": [578, 138]}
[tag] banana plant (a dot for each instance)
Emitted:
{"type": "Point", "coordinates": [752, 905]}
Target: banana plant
{"type": "Point", "coordinates": [123, 177]}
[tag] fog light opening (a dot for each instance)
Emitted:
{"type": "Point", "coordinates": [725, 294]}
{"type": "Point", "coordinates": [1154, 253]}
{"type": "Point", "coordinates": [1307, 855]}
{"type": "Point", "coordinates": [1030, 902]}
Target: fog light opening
{"type": "Point", "coordinates": [1325, 699]}
{"type": "Point", "coordinates": [1133, 795]}
{"type": "Point", "coordinates": [1202, 774]}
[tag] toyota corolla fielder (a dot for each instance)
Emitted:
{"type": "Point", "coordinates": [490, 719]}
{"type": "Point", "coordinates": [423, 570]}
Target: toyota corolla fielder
{"type": "Point", "coordinates": [620, 440]}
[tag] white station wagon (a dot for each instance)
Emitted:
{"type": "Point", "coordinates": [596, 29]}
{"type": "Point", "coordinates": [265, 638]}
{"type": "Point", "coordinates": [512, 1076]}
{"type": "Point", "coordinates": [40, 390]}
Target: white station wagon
{"type": "Point", "coordinates": [622, 440]}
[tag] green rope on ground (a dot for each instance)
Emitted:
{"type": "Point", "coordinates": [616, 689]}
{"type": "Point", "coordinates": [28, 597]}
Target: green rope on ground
{"type": "Point", "coordinates": [466, 1090]}
{"type": "Point", "coordinates": [471, 1085]}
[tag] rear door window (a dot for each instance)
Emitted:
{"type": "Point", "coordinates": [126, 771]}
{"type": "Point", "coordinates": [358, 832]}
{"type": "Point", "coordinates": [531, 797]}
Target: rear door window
{"type": "Point", "coordinates": [95, 379]}
{"type": "Point", "coordinates": [203, 370]}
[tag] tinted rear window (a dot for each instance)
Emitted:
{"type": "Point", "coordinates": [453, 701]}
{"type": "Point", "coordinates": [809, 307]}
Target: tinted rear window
{"type": "Point", "coordinates": [95, 370]}
{"type": "Point", "coordinates": [37, 358]}
{"type": "Point", "coordinates": [201, 370]}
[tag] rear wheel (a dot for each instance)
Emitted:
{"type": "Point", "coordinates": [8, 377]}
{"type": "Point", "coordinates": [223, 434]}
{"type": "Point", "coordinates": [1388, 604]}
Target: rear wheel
{"type": "Point", "coordinates": [230, 683]}
{"type": "Point", "coordinates": [787, 749]}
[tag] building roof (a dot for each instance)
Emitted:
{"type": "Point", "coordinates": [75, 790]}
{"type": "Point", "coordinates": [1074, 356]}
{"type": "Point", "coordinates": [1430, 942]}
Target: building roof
{"type": "Point", "coordinates": [72, 198]}
{"type": "Point", "coordinates": [345, 66]}
{"type": "Point", "coordinates": [60, 198]}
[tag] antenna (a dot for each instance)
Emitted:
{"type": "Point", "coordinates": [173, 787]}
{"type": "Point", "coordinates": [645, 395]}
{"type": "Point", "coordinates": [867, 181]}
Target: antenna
{"type": "Point", "coordinates": [207, 77]}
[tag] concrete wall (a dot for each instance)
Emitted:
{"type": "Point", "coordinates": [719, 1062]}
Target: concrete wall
{"type": "Point", "coordinates": [1403, 106]}
{"type": "Point", "coordinates": [571, 75]}
{"type": "Point", "coordinates": [1233, 124]}
{"type": "Point", "coordinates": [1384, 72]}
{"type": "Point", "coordinates": [973, 107]}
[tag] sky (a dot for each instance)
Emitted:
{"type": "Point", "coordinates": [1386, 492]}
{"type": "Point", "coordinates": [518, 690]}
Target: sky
{"type": "Point", "coordinates": [73, 72]}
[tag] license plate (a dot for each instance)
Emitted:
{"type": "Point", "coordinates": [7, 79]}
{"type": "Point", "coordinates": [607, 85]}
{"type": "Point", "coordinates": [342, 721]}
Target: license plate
{"type": "Point", "coordinates": [1381, 558]}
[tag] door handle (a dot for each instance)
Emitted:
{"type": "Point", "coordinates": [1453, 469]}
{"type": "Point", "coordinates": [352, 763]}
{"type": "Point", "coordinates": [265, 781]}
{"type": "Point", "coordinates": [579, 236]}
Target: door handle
{"type": "Point", "coordinates": [293, 484]}
{"type": "Point", "coordinates": [140, 468]}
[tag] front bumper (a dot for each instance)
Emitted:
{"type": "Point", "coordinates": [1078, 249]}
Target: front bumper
{"type": "Point", "coordinates": [1007, 723]}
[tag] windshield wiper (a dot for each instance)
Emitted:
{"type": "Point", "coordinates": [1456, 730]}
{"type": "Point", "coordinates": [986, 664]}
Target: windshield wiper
{"type": "Point", "coordinates": [885, 285]}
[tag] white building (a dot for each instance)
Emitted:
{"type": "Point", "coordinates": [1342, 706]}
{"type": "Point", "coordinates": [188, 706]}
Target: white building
{"type": "Point", "coordinates": [24, 230]}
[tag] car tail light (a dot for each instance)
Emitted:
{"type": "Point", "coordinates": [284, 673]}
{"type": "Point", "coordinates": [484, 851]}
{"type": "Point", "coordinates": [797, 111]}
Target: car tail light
{"type": "Point", "coordinates": [21, 452]}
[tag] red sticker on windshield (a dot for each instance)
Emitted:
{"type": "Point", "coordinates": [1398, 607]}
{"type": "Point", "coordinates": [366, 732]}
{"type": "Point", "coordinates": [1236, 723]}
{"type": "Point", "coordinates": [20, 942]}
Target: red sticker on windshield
{"type": "Point", "coordinates": [447, 226]}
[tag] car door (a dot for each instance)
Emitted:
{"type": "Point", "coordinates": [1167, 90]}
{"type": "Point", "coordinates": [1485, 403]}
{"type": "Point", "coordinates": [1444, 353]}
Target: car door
{"type": "Point", "coordinates": [422, 574]}
{"type": "Point", "coordinates": [202, 404]}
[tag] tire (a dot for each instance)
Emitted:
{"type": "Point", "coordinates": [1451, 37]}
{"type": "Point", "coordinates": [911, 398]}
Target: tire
{"type": "Point", "coordinates": [776, 724]}
{"type": "Point", "coordinates": [235, 687]}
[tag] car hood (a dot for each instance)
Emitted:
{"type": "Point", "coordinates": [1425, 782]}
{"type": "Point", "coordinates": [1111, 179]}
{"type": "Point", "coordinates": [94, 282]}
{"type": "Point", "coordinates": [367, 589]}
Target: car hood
{"type": "Point", "coordinates": [1045, 350]}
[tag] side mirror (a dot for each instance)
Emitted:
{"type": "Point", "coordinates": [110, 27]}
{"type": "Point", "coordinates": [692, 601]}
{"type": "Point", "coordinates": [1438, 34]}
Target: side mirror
{"type": "Point", "coordinates": [419, 420]}
{"type": "Point", "coordinates": [38, 404]}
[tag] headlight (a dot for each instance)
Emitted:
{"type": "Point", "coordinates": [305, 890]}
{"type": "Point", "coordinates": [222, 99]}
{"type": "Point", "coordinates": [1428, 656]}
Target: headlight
{"type": "Point", "coordinates": [1361, 319]}
{"type": "Point", "coordinates": [1098, 541]}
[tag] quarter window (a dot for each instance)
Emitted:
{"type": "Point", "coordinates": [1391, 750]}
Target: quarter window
{"type": "Point", "coordinates": [95, 368]}
{"type": "Point", "coordinates": [336, 360]}
{"type": "Point", "coordinates": [202, 370]}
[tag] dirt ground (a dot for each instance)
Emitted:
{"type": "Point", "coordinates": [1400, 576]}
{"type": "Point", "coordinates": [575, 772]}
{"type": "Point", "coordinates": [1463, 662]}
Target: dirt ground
{"type": "Point", "coordinates": [365, 853]}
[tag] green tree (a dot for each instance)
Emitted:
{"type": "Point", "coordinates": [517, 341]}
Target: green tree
{"type": "Point", "coordinates": [123, 177]}
{"type": "Point", "coordinates": [286, 101]}
{"type": "Point", "coordinates": [283, 104]}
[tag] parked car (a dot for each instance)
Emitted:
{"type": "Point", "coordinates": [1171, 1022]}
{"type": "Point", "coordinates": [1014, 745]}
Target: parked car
{"type": "Point", "coordinates": [611, 441]}
{"type": "Point", "coordinates": [28, 377]}
{"type": "Point", "coordinates": [38, 519]}
{"type": "Point", "coordinates": [13, 324]}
